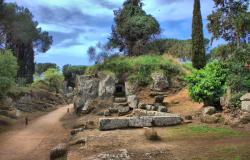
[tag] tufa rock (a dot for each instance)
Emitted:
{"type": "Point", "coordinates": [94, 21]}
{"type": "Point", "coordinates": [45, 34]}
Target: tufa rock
{"type": "Point", "coordinates": [132, 101]}
{"type": "Point", "coordinates": [245, 102]}
{"type": "Point", "coordinates": [106, 86]}
{"type": "Point", "coordinates": [130, 88]}
{"type": "Point", "coordinates": [123, 110]}
{"type": "Point", "coordinates": [160, 82]}
{"type": "Point", "coordinates": [208, 110]}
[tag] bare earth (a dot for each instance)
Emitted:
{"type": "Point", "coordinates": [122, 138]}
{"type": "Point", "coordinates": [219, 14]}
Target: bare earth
{"type": "Point", "coordinates": [34, 141]}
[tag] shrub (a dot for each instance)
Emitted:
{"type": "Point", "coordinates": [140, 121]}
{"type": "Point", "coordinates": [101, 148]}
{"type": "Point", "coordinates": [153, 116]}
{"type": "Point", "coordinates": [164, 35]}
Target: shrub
{"type": "Point", "coordinates": [207, 85]}
{"type": "Point", "coordinates": [43, 67]}
{"type": "Point", "coordinates": [54, 78]}
{"type": "Point", "coordinates": [8, 70]}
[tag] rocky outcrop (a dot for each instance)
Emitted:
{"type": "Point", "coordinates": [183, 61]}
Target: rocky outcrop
{"type": "Point", "coordinates": [106, 86]}
{"type": "Point", "coordinates": [245, 102]}
{"type": "Point", "coordinates": [160, 82]}
{"type": "Point", "coordinates": [59, 151]}
{"type": "Point", "coordinates": [132, 101]}
{"type": "Point", "coordinates": [139, 122]}
{"type": "Point", "coordinates": [87, 88]}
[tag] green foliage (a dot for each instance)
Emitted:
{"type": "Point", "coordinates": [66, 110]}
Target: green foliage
{"type": "Point", "coordinates": [222, 52]}
{"type": "Point", "coordinates": [70, 73]}
{"type": "Point", "coordinates": [8, 69]}
{"type": "Point", "coordinates": [42, 67]}
{"type": "Point", "coordinates": [133, 28]}
{"type": "Point", "coordinates": [53, 80]}
{"type": "Point", "coordinates": [230, 20]}
{"type": "Point", "coordinates": [198, 47]}
{"type": "Point", "coordinates": [207, 85]}
{"type": "Point", "coordinates": [138, 69]}
{"type": "Point", "coordinates": [238, 75]}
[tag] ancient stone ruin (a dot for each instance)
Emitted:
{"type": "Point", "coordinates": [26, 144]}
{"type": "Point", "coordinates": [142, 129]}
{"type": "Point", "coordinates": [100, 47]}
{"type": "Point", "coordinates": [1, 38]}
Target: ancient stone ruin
{"type": "Point", "coordinates": [120, 101]}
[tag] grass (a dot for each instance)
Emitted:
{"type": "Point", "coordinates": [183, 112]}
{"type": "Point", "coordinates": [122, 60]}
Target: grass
{"type": "Point", "coordinates": [200, 131]}
{"type": "Point", "coordinates": [139, 69]}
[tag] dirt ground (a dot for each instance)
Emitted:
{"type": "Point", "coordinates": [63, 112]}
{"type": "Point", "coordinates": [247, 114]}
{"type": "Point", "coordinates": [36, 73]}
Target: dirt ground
{"type": "Point", "coordinates": [33, 142]}
{"type": "Point", "coordinates": [194, 141]}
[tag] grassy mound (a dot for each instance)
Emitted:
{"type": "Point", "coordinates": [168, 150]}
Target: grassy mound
{"type": "Point", "coordinates": [139, 69]}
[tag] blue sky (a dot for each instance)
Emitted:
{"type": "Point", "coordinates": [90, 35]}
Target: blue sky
{"type": "Point", "coordinates": [77, 24]}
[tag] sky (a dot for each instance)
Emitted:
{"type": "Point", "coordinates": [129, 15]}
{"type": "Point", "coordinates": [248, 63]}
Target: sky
{"type": "Point", "coordinates": [78, 24]}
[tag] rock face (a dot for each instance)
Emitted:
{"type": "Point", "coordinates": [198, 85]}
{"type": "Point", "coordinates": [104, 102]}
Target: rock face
{"type": "Point", "coordinates": [132, 101]}
{"type": "Point", "coordinates": [139, 122]}
{"type": "Point", "coordinates": [88, 107]}
{"type": "Point", "coordinates": [245, 102]}
{"type": "Point", "coordinates": [86, 89]}
{"type": "Point", "coordinates": [106, 86]}
{"type": "Point", "coordinates": [130, 88]}
{"type": "Point", "coordinates": [160, 82]}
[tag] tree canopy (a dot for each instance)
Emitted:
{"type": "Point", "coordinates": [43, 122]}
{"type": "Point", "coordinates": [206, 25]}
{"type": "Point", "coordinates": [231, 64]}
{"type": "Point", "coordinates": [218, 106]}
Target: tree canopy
{"type": "Point", "coordinates": [20, 33]}
{"type": "Point", "coordinates": [133, 28]}
{"type": "Point", "coordinates": [230, 20]}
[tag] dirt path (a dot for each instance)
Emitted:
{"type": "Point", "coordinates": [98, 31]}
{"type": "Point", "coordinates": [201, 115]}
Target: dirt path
{"type": "Point", "coordinates": [34, 141]}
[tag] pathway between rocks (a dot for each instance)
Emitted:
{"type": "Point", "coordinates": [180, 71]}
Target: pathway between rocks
{"type": "Point", "coordinates": [34, 141]}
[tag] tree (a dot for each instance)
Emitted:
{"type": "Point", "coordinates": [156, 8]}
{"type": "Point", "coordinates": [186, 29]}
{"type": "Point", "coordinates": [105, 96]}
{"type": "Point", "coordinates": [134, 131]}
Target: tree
{"type": "Point", "coordinates": [8, 70]}
{"type": "Point", "coordinates": [22, 36]}
{"type": "Point", "coordinates": [42, 67]}
{"type": "Point", "coordinates": [54, 78]}
{"type": "Point", "coordinates": [230, 20]}
{"type": "Point", "coordinates": [198, 47]}
{"type": "Point", "coordinates": [133, 28]}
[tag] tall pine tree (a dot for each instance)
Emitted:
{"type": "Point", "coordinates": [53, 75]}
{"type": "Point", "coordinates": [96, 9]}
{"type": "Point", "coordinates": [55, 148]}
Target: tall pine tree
{"type": "Point", "coordinates": [198, 47]}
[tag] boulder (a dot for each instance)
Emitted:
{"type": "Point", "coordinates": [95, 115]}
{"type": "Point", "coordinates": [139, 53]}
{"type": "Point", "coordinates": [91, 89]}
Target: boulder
{"type": "Point", "coordinates": [132, 101]}
{"type": "Point", "coordinates": [107, 86]}
{"type": "Point", "coordinates": [140, 122]}
{"type": "Point", "coordinates": [209, 110]}
{"type": "Point", "coordinates": [167, 120]}
{"type": "Point", "coordinates": [141, 105]}
{"type": "Point", "coordinates": [123, 110]}
{"type": "Point", "coordinates": [245, 118]}
{"type": "Point", "coordinates": [159, 99]}
{"type": "Point", "coordinates": [113, 123]}
{"type": "Point", "coordinates": [130, 88]}
{"type": "Point", "coordinates": [88, 107]}
{"type": "Point", "coordinates": [81, 141]}
{"type": "Point", "coordinates": [162, 109]}
{"type": "Point", "coordinates": [75, 131]}
{"type": "Point", "coordinates": [245, 102]}
{"type": "Point", "coordinates": [107, 113]}
{"type": "Point", "coordinates": [58, 151]}
{"type": "Point", "coordinates": [160, 82]}
{"type": "Point", "coordinates": [209, 119]}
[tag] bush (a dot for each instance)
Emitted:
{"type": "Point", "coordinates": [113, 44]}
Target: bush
{"type": "Point", "coordinates": [238, 76]}
{"type": "Point", "coordinates": [52, 80]}
{"type": "Point", "coordinates": [207, 85]}
{"type": "Point", "coordinates": [8, 70]}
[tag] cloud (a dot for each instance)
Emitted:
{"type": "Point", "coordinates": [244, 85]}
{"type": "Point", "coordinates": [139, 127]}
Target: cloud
{"type": "Point", "coordinates": [77, 24]}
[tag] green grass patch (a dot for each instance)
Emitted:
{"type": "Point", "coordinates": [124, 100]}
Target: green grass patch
{"type": "Point", "coordinates": [200, 131]}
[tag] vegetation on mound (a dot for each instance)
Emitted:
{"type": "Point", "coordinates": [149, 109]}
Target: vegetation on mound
{"type": "Point", "coordinates": [139, 69]}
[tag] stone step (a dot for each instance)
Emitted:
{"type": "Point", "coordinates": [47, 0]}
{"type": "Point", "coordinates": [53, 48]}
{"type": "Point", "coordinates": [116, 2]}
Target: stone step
{"type": "Point", "coordinates": [120, 104]}
{"type": "Point", "coordinates": [139, 122]}
{"type": "Point", "coordinates": [120, 99]}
